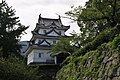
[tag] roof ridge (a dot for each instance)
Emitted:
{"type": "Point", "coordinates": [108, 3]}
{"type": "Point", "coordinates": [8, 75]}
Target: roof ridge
{"type": "Point", "coordinates": [50, 18]}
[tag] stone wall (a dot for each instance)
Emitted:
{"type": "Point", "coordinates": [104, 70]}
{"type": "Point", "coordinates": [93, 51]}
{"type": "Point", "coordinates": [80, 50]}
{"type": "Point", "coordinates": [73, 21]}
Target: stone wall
{"type": "Point", "coordinates": [100, 64]}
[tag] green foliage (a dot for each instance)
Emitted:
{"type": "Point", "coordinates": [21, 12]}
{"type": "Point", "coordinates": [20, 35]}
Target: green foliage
{"type": "Point", "coordinates": [107, 35]}
{"type": "Point", "coordinates": [10, 31]}
{"type": "Point", "coordinates": [99, 23]}
{"type": "Point", "coordinates": [47, 72]}
{"type": "Point", "coordinates": [96, 16]}
{"type": "Point", "coordinates": [63, 46]}
{"type": "Point", "coordinates": [104, 37]}
{"type": "Point", "coordinates": [93, 65]}
{"type": "Point", "coordinates": [12, 69]}
{"type": "Point", "coordinates": [96, 22]}
{"type": "Point", "coordinates": [116, 42]}
{"type": "Point", "coordinates": [102, 12]}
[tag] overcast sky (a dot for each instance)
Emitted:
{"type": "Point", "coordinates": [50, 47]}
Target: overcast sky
{"type": "Point", "coordinates": [29, 10]}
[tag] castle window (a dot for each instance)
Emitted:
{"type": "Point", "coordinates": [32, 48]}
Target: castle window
{"type": "Point", "coordinates": [45, 31]}
{"type": "Point", "coordinates": [54, 42]}
{"type": "Point", "coordinates": [60, 32]}
{"type": "Point", "coordinates": [39, 42]}
{"type": "Point", "coordinates": [39, 55]}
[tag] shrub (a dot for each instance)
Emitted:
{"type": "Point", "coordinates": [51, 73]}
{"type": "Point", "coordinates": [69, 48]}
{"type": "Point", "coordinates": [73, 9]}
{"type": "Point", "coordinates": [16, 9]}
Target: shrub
{"type": "Point", "coordinates": [15, 70]}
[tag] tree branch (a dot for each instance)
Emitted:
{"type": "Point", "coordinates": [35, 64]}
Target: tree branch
{"type": "Point", "coordinates": [113, 14]}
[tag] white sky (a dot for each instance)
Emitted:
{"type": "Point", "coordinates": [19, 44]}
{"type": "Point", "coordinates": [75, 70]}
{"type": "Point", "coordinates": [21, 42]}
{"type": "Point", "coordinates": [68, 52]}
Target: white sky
{"type": "Point", "coordinates": [29, 10]}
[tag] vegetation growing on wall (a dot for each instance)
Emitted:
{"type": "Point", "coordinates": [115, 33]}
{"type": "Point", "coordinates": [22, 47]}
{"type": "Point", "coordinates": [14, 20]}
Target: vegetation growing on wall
{"type": "Point", "coordinates": [102, 63]}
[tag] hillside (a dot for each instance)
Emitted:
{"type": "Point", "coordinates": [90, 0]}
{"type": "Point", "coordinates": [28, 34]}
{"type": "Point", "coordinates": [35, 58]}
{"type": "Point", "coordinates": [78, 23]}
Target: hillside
{"type": "Point", "coordinates": [99, 64]}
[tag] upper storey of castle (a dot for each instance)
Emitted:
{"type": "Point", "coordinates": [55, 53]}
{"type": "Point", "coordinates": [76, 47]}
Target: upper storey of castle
{"type": "Point", "coordinates": [48, 25]}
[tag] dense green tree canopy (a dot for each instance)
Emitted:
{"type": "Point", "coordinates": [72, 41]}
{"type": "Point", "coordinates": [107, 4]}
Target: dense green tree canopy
{"type": "Point", "coordinates": [10, 31]}
{"type": "Point", "coordinates": [95, 17]}
{"type": "Point", "coordinates": [106, 10]}
{"type": "Point", "coordinates": [12, 69]}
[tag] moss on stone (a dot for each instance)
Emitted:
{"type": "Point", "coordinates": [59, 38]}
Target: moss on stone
{"type": "Point", "coordinates": [99, 64]}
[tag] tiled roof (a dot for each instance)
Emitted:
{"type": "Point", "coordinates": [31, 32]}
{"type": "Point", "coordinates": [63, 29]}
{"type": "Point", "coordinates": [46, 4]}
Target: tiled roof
{"type": "Point", "coordinates": [47, 22]}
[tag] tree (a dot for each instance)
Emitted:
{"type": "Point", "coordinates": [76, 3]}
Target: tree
{"type": "Point", "coordinates": [10, 31]}
{"type": "Point", "coordinates": [13, 69]}
{"type": "Point", "coordinates": [95, 17]}
{"type": "Point", "coordinates": [98, 21]}
{"type": "Point", "coordinates": [105, 10]}
{"type": "Point", "coordinates": [63, 46]}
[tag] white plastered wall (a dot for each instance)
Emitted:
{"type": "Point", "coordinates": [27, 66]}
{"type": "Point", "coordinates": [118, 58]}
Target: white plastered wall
{"type": "Point", "coordinates": [34, 56]}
